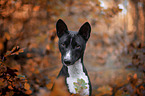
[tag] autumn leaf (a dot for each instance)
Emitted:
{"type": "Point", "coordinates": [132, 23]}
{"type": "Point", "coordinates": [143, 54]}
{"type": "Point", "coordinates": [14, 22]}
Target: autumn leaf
{"type": "Point", "coordinates": [26, 86]}
{"type": "Point", "coordinates": [15, 51]}
{"type": "Point", "coordinates": [80, 85]}
{"type": "Point", "coordinates": [10, 87]}
{"type": "Point", "coordinates": [36, 8]}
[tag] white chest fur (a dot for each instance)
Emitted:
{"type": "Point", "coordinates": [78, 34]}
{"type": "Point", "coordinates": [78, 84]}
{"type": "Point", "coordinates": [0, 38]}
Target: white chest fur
{"type": "Point", "coordinates": [76, 72]}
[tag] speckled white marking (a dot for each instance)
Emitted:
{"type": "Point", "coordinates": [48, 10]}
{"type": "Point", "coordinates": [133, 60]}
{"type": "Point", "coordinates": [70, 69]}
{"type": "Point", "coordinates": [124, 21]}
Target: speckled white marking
{"type": "Point", "coordinates": [68, 55]}
{"type": "Point", "coordinates": [76, 71]}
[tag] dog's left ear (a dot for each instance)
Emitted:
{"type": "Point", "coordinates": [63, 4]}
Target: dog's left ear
{"type": "Point", "coordinates": [85, 31]}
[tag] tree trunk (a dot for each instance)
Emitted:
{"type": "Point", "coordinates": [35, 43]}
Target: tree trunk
{"type": "Point", "coordinates": [141, 23]}
{"type": "Point", "coordinates": [138, 15]}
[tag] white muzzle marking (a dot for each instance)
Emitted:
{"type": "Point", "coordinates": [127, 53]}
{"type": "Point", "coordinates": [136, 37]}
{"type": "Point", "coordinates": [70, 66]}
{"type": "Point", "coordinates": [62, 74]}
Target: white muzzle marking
{"type": "Point", "coordinates": [68, 55]}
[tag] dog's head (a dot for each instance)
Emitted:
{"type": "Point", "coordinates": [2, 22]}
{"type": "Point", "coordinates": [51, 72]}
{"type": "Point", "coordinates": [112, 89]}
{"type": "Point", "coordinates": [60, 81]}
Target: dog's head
{"type": "Point", "coordinates": [72, 44]}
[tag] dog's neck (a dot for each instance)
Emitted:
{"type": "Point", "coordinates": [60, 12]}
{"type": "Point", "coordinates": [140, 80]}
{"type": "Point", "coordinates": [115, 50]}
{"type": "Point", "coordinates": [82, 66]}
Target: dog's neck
{"type": "Point", "coordinates": [75, 69]}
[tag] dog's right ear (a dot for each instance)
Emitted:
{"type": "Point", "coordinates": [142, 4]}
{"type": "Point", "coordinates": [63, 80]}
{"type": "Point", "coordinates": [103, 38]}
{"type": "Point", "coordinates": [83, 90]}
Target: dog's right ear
{"type": "Point", "coordinates": [61, 28]}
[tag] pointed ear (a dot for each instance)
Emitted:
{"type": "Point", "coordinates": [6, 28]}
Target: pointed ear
{"type": "Point", "coordinates": [85, 31]}
{"type": "Point", "coordinates": [61, 28]}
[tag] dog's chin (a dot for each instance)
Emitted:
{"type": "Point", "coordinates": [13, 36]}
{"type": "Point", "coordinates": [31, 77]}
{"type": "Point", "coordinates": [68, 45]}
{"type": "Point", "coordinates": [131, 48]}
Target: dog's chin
{"type": "Point", "coordinates": [67, 64]}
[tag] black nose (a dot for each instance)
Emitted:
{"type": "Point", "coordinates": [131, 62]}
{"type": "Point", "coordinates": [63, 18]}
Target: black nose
{"type": "Point", "coordinates": [67, 62]}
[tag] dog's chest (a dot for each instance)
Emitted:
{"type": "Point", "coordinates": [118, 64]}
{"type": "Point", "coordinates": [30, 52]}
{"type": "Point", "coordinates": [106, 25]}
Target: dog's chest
{"type": "Point", "coordinates": [70, 82]}
{"type": "Point", "coordinates": [75, 73]}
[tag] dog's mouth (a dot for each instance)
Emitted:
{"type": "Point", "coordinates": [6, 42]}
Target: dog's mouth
{"type": "Point", "coordinates": [67, 64]}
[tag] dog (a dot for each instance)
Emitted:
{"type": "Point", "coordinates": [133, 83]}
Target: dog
{"type": "Point", "coordinates": [72, 46]}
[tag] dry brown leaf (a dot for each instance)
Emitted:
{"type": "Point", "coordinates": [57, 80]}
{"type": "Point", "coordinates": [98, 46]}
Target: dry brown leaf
{"type": "Point", "coordinates": [36, 8]}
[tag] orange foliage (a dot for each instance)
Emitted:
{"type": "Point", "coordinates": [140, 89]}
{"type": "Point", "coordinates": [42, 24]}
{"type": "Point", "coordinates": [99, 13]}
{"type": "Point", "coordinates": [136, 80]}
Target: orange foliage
{"type": "Point", "coordinates": [29, 56]}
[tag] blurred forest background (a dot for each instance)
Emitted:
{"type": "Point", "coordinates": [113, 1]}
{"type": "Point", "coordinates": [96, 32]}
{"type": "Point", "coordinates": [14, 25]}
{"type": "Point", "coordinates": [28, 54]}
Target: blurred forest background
{"type": "Point", "coordinates": [114, 57]}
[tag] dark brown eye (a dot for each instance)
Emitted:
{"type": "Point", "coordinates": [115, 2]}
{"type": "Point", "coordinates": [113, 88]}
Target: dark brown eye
{"type": "Point", "coordinates": [63, 44]}
{"type": "Point", "coordinates": [78, 46]}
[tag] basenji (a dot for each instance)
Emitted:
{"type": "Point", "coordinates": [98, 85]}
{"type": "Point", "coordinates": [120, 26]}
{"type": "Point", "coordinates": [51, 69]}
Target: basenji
{"type": "Point", "coordinates": [72, 46]}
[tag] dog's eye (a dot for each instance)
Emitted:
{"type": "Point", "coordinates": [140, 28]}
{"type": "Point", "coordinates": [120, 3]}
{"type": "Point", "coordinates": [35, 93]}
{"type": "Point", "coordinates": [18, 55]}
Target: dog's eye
{"type": "Point", "coordinates": [78, 46]}
{"type": "Point", "coordinates": [62, 44]}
